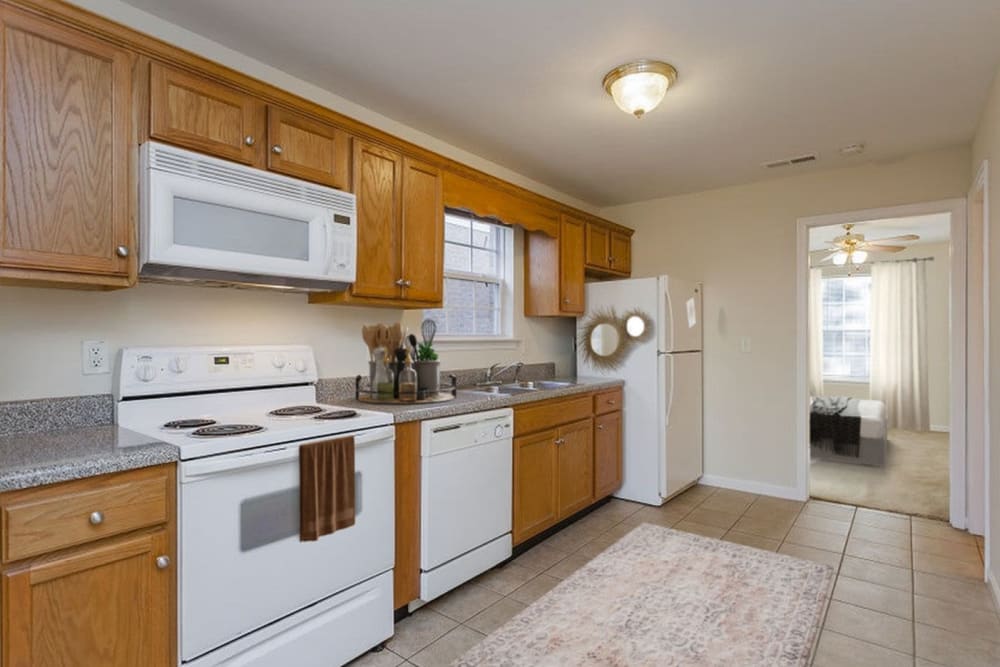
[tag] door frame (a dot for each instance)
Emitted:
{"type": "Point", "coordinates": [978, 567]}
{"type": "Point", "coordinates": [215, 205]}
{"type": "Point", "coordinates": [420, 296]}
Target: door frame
{"type": "Point", "coordinates": [981, 188]}
{"type": "Point", "coordinates": [957, 437]}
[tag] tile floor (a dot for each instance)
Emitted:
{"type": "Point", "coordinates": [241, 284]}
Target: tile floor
{"type": "Point", "coordinates": [909, 591]}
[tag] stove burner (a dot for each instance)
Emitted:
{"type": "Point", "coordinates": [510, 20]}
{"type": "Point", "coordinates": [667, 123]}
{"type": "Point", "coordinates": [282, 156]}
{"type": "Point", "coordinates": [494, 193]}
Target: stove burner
{"type": "Point", "coordinates": [296, 411]}
{"type": "Point", "coordinates": [181, 424]}
{"type": "Point", "coordinates": [220, 430]}
{"type": "Point", "coordinates": [337, 414]}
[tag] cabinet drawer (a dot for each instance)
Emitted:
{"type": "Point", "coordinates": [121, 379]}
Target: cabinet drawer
{"type": "Point", "coordinates": [38, 521]}
{"type": "Point", "coordinates": [550, 414]}
{"type": "Point", "coordinates": [608, 401]}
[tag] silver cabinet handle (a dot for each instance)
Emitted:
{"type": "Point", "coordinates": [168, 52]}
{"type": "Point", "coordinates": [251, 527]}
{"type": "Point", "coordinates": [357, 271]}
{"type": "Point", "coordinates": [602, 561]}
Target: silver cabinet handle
{"type": "Point", "coordinates": [121, 251]}
{"type": "Point", "coordinates": [96, 518]}
{"type": "Point", "coordinates": [560, 441]}
{"type": "Point", "coordinates": [277, 149]}
{"type": "Point", "coordinates": [400, 283]}
{"type": "Point", "coordinates": [249, 140]}
{"type": "Point", "coordinates": [162, 562]}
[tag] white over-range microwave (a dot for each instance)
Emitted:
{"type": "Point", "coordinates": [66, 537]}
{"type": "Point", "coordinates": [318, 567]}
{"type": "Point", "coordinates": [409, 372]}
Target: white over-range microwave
{"type": "Point", "coordinates": [209, 220]}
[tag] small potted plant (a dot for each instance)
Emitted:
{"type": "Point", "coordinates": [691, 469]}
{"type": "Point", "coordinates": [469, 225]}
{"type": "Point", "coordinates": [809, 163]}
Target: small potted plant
{"type": "Point", "coordinates": [428, 369]}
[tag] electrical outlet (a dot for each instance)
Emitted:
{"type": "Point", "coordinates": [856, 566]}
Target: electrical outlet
{"type": "Point", "coordinates": [94, 357]}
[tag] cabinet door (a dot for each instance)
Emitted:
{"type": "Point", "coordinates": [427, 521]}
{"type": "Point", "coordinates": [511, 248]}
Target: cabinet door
{"type": "Point", "coordinates": [377, 185]}
{"type": "Point", "coordinates": [422, 232]}
{"type": "Point", "coordinates": [535, 480]}
{"type": "Point", "coordinates": [66, 150]}
{"type": "Point", "coordinates": [571, 251]}
{"type": "Point", "coordinates": [196, 113]}
{"type": "Point", "coordinates": [621, 253]}
{"type": "Point", "coordinates": [308, 149]}
{"type": "Point", "coordinates": [598, 246]}
{"type": "Point", "coordinates": [575, 449]}
{"type": "Point", "coordinates": [106, 605]}
{"type": "Point", "coordinates": [607, 454]}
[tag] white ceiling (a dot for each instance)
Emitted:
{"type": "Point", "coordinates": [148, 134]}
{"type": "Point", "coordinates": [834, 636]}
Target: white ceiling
{"type": "Point", "coordinates": [519, 81]}
{"type": "Point", "coordinates": [934, 228]}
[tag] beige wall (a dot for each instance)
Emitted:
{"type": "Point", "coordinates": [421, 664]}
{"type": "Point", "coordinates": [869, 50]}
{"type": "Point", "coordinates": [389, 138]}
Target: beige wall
{"type": "Point", "coordinates": [938, 334]}
{"type": "Point", "coordinates": [41, 330]}
{"type": "Point", "coordinates": [741, 242]}
{"type": "Point", "coordinates": [986, 146]}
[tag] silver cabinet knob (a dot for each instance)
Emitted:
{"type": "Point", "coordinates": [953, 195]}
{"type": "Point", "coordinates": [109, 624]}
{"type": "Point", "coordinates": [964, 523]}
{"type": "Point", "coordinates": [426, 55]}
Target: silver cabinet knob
{"type": "Point", "coordinates": [560, 441]}
{"type": "Point", "coordinates": [566, 300]}
{"type": "Point", "coordinates": [121, 251]}
{"type": "Point", "coordinates": [407, 283]}
{"type": "Point", "coordinates": [277, 149]}
{"type": "Point", "coordinates": [162, 562]}
{"type": "Point", "coordinates": [400, 283]}
{"type": "Point", "coordinates": [600, 427]}
{"type": "Point", "coordinates": [96, 518]}
{"type": "Point", "coordinates": [249, 140]}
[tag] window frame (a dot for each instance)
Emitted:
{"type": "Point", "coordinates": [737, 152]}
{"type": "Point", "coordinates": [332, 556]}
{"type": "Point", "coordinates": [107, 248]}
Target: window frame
{"type": "Point", "coordinates": [847, 379]}
{"type": "Point", "coordinates": [504, 279]}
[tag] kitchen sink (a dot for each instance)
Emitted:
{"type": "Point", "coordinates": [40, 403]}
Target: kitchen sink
{"type": "Point", "coordinates": [525, 387]}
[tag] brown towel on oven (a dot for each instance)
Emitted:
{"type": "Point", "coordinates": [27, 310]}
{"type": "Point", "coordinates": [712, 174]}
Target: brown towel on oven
{"type": "Point", "coordinates": [326, 487]}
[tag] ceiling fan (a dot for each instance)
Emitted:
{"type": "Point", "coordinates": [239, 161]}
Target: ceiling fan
{"type": "Point", "coordinates": [854, 248]}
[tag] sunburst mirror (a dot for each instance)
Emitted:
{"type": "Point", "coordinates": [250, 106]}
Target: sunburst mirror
{"type": "Point", "coordinates": [606, 339]}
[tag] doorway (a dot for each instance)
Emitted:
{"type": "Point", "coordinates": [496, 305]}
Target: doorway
{"type": "Point", "coordinates": [893, 468]}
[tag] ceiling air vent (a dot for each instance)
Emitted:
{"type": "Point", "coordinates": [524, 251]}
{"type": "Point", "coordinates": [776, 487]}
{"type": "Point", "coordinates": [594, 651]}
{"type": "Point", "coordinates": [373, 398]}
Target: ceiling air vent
{"type": "Point", "coordinates": [798, 159]}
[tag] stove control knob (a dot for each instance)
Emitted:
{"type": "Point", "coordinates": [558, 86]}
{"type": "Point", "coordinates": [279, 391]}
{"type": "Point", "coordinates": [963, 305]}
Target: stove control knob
{"type": "Point", "coordinates": [145, 370]}
{"type": "Point", "coordinates": [300, 365]}
{"type": "Point", "coordinates": [279, 361]}
{"type": "Point", "coordinates": [178, 365]}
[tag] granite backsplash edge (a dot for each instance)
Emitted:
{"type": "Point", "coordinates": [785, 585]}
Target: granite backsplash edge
{"type": "Point", "coordinates": [67, 412]}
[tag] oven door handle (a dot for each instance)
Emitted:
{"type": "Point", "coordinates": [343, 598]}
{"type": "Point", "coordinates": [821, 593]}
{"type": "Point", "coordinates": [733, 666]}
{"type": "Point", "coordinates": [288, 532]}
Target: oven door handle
{"type": "Point", "coordinates": [194, 470]}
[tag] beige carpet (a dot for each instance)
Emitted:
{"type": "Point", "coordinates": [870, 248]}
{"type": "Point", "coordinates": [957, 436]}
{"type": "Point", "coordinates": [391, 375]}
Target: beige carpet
{"type": "Point", "coordinates": [661, 597]}
{"type": "Point", "coordinates": [914, 479]}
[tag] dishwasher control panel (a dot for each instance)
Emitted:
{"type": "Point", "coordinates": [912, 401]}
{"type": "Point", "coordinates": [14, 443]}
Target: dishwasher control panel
{"type": "Point", "coordinates": [449, 434]}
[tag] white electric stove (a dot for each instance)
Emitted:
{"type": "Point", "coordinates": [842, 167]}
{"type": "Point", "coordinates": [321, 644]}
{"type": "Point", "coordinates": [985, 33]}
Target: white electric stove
{"type": "Point", "coordinates": [250, 592]}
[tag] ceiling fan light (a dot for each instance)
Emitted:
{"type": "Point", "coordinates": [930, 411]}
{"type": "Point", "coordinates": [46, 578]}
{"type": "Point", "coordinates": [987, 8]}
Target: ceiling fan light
{"type": "Point", "coordinates": [859, 256]}
{"type": "Point", "coordinates": [639, 87]}
{"type": "Point", "coordinates": [840, 258]}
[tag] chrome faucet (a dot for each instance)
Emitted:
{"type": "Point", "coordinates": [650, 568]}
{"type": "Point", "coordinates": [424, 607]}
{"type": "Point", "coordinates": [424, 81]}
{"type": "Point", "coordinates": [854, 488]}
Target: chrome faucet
{"type": "Point", "coordinates": [493, 371]}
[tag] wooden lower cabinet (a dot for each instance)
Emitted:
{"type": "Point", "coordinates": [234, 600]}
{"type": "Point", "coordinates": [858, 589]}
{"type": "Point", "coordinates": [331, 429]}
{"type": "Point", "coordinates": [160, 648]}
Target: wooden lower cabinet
{"type": "Point", "coordinates": [575, 450]}
{"type": "Point", "coordinates": [536, 484]}
{"type": "Point", "coordinates": [607, 454]}
{"type": "Point", "coordinates": [103, 605]}
{"type": "Point", "coordinates": [109, 600]}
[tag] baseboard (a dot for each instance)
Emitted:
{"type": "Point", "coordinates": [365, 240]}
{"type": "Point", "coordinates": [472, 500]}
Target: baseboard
{"type": "Point", "coordinates": [940, 429]}
{"type": "Point", "coordinates": [789, 492]}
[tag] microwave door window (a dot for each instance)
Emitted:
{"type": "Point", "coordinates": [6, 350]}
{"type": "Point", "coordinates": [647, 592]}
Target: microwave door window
{"type": "Point", "coordinates": [217, 227]}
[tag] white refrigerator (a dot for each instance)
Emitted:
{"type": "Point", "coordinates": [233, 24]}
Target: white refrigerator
{"type": "Point", "coordinates": [662, 419]}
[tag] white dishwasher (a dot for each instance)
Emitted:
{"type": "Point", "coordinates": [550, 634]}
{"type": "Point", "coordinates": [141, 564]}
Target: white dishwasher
{"type": "Point", "coordinates": [465, 498]}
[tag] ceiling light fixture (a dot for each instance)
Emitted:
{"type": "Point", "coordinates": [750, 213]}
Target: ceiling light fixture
{"type": "Point", "coordinates": [639, 86]}
{"type": "Point", "coordinates": [840, 258]}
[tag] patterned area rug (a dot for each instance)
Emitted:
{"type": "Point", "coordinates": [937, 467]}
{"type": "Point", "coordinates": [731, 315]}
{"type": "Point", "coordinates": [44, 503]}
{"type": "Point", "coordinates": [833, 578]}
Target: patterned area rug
{"type": "Point", "coordinates": [668, 598]}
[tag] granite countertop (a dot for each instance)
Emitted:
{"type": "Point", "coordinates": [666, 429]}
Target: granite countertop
{"type": "Point", "coordinates": [471, 399]}
{"type": "Point", "coordinates": [46, 457]}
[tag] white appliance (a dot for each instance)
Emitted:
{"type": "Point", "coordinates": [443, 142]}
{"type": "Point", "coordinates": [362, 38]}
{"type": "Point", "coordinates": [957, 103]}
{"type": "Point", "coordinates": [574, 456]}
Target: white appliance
{"type": "Point", "coordinates": [204, 219]}
{"type": "Point", "coordinates": [250, 592]}
{"type": "Point", "coordinates": [662, 430]}
{"type": "Point", "coordinates": [466, 500]}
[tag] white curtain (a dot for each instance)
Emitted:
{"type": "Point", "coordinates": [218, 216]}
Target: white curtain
{"type": "Point", "coordinates": [815, 332]}
{"type": "Point", "coordinates": [899, 342]}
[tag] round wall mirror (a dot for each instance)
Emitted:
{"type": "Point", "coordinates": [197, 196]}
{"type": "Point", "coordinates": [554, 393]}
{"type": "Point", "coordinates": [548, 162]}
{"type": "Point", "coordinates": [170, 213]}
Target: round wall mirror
{"type": "Point", "coordinates": [635, 326]}
{"type": "Point", "coordinates": [605, 339]}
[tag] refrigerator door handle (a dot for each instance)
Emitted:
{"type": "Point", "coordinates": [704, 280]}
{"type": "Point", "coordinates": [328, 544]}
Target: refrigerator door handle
{"type": "Point", "coordinates": [670, 390]}
{"type": "Point", "coordinates": [668, 322]}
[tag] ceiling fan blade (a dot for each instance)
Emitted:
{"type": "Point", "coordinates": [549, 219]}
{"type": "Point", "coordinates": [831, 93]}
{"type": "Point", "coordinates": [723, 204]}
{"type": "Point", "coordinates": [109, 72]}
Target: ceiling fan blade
{"type": "Point", "coordinates": [874, 247]}
{"type": "Point", "coordinates": [903, 237]}
{"type": "Point", "coordinates": [828, 257]}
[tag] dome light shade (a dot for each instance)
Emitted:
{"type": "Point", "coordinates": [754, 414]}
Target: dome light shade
{"type": "Point", "coordinates": [639, 86]}
{"type": "Point", "coordinates": [840, 258]}
{"type": "Point", "coordinates": [859, 256]}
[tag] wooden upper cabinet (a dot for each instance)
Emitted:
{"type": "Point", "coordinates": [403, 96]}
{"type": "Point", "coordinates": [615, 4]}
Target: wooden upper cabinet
{"type": "Point", "coordinates": [536, 474]}
{"type": "Point", "coordinates": [575, 449]}
{"type": "Point", "coordinates": [105, 605]}
{"type": "Point", "coordinates": [304, 148]}
{"type": "Point", "coordinates": [378, 188]}
{"type": "Point", "coordinates": [598, 246]}
{"type": "Point", "coordinates": [571, 261]}
{"type": "Point", "coordinates": [66, 156]}
{"type": "Point", "coordinates": [621, 253]}
{"type": "Point", "coordinates": [422, 232]}
{"type": "Point", "coordinates": [197, 113]}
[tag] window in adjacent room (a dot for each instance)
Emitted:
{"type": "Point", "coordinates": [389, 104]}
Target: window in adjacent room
{"type": "Point", "coordinates": [478, 276]}
{"type": "Point", "coordinates": [846, 328]}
